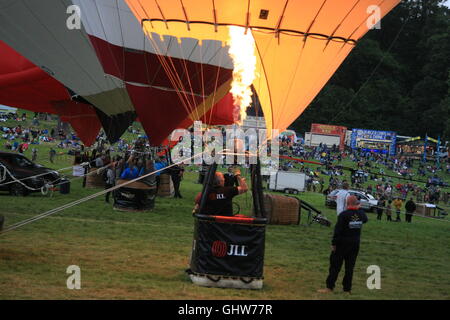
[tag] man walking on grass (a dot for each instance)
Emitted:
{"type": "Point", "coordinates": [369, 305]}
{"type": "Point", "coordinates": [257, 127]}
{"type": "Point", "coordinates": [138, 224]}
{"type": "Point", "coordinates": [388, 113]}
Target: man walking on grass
{"type": "Point", "coordinates": [345, 245]}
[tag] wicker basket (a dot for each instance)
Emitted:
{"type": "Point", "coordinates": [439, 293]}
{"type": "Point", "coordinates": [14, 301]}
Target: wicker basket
{"type": "Point", "coordinates": [94, 180]}
{"type": "Point", "coordinates": [424, 210]}
{"type": "Point", "coordinates": [165, 186]}
{"type": "Point", "coordinates": [282, 209]}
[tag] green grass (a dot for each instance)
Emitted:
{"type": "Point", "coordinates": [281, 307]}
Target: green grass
{"type": "Point", "coordinates": [145, 255]}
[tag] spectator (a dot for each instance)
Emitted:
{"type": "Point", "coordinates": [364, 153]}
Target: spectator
{"type": "Point", "coordinates": [230, 178]}
{"type": "Point", "coordinates": [410, 207]}
{"type": "Point", "coordinates": [397, 203]}
{"type": "Point", "coordinates": [131, 169]}
{"type": "Point", "coordinates": [389, 210]}
{"type": "Point", "coordinates": [341, 198]}
{"type": "Point", "coordinates": [52, 154]}
{"type": "Point", "coordinates": [380, 207]}
{"type": "Point", "coordinates": [34, 155]}
{"type": "Point", "coordinates": [176, 173]}
{"type": "Point", "coordinates": [110, 180]}
{"type": "Point", "coordinates": [159, 164]}
{"type": "Point", "coordinates": [99, 161]}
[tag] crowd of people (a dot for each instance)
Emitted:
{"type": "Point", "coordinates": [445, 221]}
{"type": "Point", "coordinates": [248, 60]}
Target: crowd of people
{"type": "Point", "coordinates": [20, 138]}
{"type": "Point", "coordinates": [129, 165]}
{"type": "Point", "coordinates": [369, 175]}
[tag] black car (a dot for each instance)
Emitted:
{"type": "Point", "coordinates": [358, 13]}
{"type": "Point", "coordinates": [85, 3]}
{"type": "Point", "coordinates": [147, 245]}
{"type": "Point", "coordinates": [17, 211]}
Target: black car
{"type": "Point", "coordinates": [33, 175]}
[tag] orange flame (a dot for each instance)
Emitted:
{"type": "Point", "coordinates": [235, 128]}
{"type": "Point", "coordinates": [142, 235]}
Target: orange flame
{"type": "Point", "coordinates": [242, 51]}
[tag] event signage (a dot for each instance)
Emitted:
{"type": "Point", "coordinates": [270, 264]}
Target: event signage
{"type": "Point", "coordinates": [374, 140]}
{"type": "Point", "coordinates": [221, 249]}
{"type": "Point", "coordinates": [332, 130]}
{"type": "Point", "coordinates": [228, 249]}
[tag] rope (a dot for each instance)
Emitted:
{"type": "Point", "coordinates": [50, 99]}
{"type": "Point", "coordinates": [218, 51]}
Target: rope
{"type": "Point", "coordinates": [46, 187]}
{"type": "Point", "coordinates": [90, 197]}
{"type": "Point", "coordinates": [35, 176]}
{"type": "Point", "coordinates": [15, 180]}
{"type": "Point", "coordinates": [394, 210]}
{"type": "Point", "coordinates": [170, 75]}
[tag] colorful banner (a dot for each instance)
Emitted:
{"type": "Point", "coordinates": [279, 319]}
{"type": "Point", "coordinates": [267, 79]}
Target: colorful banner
{"type": "Point", "coordinates": [327, 129]}
{"type": "Point", "coordinates": [374, 140]}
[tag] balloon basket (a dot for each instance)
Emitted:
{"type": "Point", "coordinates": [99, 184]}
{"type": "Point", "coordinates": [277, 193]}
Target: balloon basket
{"type": "Point", "coordinates": [135, 197]}
{"type": "Point", "coordinates": [228, 252]}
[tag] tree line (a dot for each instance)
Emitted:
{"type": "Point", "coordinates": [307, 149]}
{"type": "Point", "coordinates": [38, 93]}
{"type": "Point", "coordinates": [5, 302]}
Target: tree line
{"type": "Point", "coordinates": [397, 78]}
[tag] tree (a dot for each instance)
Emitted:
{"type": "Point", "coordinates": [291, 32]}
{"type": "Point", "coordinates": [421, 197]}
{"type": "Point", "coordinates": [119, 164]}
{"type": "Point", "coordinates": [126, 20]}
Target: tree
{"type": "Point", "coordinates": [395, 79]}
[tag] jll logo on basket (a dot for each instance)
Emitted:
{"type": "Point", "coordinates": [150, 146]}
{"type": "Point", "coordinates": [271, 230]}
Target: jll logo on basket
{"type": "Point", "coordinates": [219, 249]}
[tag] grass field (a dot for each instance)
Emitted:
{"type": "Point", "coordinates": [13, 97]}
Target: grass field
{"type": "Point", "coordinates": [145, 255]}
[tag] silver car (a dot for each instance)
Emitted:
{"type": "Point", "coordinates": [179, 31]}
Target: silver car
{"type": "Point", "coordinates": [368, 202]}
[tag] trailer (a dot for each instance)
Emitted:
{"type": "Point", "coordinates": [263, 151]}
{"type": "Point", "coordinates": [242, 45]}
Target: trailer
{"type": "Point", "coordinates": [287, 181]}
{"type": "Point", "coordinates": [314, 139]}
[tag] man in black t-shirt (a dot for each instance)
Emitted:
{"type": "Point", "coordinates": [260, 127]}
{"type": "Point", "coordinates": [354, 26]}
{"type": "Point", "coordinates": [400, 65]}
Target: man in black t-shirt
{"type": "Point", "coordinates": [345, 244]}
{"type": "Point", "coordinates": [220, 198]}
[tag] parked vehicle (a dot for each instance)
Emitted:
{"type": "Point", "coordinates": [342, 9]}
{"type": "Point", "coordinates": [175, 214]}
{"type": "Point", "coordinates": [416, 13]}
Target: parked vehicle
{"type": "Point", "coordinates": [17, 173]}
{"type": "Point", "coordinates": [314, 139]}
{"type": "Point", "coordinates": [288, 182]}
{"type": "Point", "coordinates": [368, 202]}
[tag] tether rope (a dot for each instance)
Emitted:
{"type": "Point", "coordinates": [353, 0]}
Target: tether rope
{"type": "Point", "coordinates": [47, 186]}
{"type": "Point", "coordinates": [90, 197]}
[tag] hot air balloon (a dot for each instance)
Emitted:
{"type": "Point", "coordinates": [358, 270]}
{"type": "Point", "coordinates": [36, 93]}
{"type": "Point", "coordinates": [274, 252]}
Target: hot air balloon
{"type": "Point", "coordinates": [111, 64]}
{"type": "Point", "coordinates": [24, 85]}
{"type": "Point", "coordinates": [168, 62]}
{"type": "Point", "coordinates": [299, 44]}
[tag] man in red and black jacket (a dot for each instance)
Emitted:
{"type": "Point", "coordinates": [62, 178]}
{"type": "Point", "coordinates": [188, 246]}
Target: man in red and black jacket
{"type": "Point", "coordinates": [345, 244]}
{"type": "Point", "coordinates": [219, 201]}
